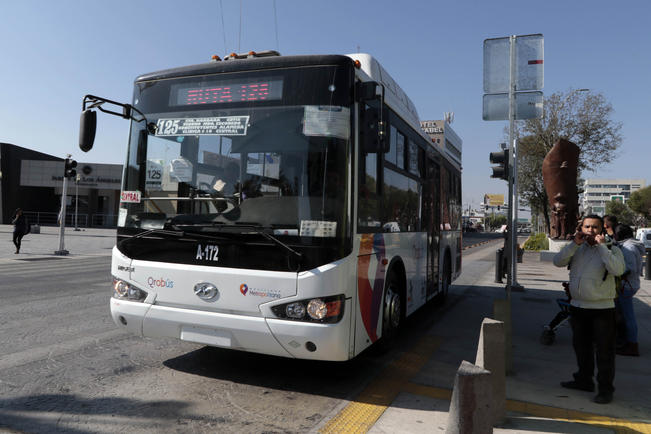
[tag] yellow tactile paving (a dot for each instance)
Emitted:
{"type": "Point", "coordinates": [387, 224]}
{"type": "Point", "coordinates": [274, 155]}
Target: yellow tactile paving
{"type": "Point", "coordinates": [544, 411]}
{"type": "Point", "coordinates": [360, 415]}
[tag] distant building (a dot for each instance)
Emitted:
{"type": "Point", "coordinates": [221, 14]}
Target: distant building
{"type": "Point", "coordinates": [598, 192]}
{"type": "Point", "coordinates": [33, 181]}
{"type": "Point", "coordinates": [444, 137]}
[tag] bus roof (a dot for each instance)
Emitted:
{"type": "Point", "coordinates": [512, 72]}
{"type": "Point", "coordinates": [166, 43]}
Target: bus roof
{"type": "Point", "coordinates": [397, 99]}
{"type": "Point", "coordinates": [248, 64]}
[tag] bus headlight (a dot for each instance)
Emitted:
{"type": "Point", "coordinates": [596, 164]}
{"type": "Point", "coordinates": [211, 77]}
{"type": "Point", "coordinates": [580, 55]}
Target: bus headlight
{"type": "Point", "coordinates": [322, 310]}
{"type": "Point", "coordinates": [126, 291]}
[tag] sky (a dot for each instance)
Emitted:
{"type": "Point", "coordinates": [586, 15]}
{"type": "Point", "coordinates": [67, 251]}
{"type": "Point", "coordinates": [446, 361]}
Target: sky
{"type": "Point", "coordinates": [54, 53]}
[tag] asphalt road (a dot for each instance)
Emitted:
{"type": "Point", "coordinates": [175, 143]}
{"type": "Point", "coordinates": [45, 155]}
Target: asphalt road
{"type": "Point", "coordinates": [65, 367]}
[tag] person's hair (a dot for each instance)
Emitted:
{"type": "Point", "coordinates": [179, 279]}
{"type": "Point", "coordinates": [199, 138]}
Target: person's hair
{"type": "Point", "coordinates": [623, 232]}
{"type": "Point", "coordinates": [611, 220]}
{"type": "Point", "coordinates": [595, 217]}
{"type": "Point", "coordinates": [18, 209]}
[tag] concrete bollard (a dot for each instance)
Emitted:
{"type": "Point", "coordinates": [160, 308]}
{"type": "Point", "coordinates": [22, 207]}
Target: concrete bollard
{"type": "Point", "coordinates": [502, 312]}
{"type": "Point", "coordinates": [492, 357]}
{"type": "Point", "coordinates": [470, 406]}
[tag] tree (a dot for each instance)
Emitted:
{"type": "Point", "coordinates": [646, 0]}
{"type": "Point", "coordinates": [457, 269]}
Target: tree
{"type": "Point", "coordinates": [621, 211]}
{"type": "Point", "coordinates": [584, 118]}
{"type": "Point", "coordinates": [495, 221]}
{"type": "Point", "coordinates": [640, 202]}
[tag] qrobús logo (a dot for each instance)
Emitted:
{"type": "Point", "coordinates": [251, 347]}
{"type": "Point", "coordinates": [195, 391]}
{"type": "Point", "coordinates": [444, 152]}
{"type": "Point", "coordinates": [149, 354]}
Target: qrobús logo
{"type": "Point", "coordinates": [160, 283]}
{"type": "Point", "coordinates": [257, 292]}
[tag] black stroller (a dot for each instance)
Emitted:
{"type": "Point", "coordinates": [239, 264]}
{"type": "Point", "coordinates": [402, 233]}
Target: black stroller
{"type": "Point", "coordinates": [549, 331]}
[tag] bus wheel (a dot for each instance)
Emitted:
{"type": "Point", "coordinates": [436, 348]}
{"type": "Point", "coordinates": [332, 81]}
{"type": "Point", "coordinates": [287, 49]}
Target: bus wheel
{"type": "Point", "coordinates": [392, 310]}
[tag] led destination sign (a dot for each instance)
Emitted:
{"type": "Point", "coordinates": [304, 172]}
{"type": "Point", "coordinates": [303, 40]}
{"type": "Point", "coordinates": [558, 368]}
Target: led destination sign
{"type": "Point", "coordinates": [227, 91]}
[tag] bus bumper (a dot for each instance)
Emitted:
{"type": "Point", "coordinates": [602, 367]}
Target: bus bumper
{"type": "Point", "coordinates": [254, 334]}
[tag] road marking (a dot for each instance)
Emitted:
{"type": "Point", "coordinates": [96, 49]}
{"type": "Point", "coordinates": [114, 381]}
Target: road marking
{"type": "Point", "coordinates": [360, 415]}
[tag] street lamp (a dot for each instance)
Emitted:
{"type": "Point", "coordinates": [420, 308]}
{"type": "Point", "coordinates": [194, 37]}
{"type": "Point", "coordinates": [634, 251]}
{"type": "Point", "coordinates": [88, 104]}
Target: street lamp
{"type": "Point", "coordinates": [77, 178]}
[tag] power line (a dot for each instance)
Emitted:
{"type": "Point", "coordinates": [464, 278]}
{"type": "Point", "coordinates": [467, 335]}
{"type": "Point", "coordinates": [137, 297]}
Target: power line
{"type": "Point", "coordinates": [239, 38]}
{"type": "Point", "coordinates": [221, 8]}
{"type": "Point", "coordinates": [276, 23]}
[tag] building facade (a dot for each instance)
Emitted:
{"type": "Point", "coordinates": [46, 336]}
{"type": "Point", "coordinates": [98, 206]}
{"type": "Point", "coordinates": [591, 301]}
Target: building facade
{"type": "Point", "coordinates": [33, 181]}
{"type": "Point", "coordinates": [597, 192]}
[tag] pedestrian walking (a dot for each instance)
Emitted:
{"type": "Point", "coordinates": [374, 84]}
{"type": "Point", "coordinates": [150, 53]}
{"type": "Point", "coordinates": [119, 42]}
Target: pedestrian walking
{"type": "Point", "coordinates": [21, 228]}
{"type": "Point", "coordinates": [633, 251]}
{"type": "Point", "coordinates": [593, 267]}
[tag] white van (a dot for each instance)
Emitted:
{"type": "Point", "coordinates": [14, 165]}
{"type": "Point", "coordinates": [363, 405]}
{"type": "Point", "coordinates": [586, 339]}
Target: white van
{"type": "Point", "coordinates": [644, 235]}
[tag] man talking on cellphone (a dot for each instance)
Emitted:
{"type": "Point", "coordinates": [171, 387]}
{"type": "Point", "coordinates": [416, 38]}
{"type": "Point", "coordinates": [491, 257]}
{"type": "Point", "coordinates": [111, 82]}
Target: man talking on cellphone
{"type": "Point", "coordinates": [593, 266]}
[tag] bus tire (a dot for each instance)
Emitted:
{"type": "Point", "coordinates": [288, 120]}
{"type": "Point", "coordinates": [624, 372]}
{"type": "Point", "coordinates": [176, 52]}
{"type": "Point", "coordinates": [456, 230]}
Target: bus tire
{"type": "Point", "coordinates": [392, 307]}
{"type": "Point", "coordinates": [446, 279]}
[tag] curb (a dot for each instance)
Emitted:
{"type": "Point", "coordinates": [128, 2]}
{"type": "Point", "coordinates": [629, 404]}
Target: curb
{"type": "Point", "coordinates": [479, 244]}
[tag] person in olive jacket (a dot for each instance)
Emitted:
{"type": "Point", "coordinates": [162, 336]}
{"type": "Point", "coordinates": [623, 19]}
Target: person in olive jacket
{"type": "Point", "coordinates": [594, 263]}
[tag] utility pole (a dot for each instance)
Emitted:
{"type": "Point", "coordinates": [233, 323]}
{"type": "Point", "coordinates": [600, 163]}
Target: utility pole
{"type": "Point", "coordinates": [62, 218]}
{"type": "Point", "coordinates": [69, 171]}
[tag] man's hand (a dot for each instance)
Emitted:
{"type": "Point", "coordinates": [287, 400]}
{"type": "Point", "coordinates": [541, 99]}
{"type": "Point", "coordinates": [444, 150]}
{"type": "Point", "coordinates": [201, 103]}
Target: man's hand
{"type": "Point", "coordinates": [579, 238]}
{"type": "Point", "coordinates": [600, 239]}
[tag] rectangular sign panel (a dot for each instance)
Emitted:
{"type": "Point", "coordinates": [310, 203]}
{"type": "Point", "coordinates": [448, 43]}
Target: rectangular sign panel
{"type": "Point", "coordinates": [494, 199]}
{"type": "Point", "coordinates": [528, 105]}
{"type": "Point", "coordinates": [529, 63]}
{"type": "Point", "coordinates": [214, 126]}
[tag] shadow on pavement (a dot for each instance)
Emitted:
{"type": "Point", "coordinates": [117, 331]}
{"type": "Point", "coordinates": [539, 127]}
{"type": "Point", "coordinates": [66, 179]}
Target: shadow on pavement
{"type": "Point", "coordinates": [50, 412]}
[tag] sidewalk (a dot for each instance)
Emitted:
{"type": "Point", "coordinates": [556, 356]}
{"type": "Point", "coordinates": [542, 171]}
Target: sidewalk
{"type": "Point", "coordinates": [83, 243]}
{"type": "Point", "coordinates": [417, 401]}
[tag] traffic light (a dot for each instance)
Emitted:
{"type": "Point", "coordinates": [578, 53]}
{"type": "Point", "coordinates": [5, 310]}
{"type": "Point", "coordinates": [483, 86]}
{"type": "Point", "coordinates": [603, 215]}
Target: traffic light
{"type": "Point", "coordinates": [69, 169]}
{"type": "Point", "coordinates": [502, 159]}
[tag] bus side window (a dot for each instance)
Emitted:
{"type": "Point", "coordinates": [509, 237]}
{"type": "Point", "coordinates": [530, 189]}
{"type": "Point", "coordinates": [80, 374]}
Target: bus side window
{"type": "Point", "coordinates": [367, 205]}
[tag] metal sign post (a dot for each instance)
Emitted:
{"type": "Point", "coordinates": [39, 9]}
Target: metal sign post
{"type": "Point", "coordinates": [511, 281]}
{"type": "Point", "coordinates": [513, 79]}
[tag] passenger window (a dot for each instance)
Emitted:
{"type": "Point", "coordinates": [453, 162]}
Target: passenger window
{"type": "Point", "coordinates": [401, 198]}
{"type": "Point", "coordinates": [368, 201]}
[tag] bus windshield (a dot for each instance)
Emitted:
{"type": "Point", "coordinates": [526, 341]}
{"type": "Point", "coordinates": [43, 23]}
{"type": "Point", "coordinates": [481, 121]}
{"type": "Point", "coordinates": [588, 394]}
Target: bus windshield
{"type": "Point", "coordinates": [207, 158]}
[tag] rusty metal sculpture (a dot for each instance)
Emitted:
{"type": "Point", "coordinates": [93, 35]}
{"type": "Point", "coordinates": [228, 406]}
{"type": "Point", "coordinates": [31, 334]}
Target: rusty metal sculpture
{"type": "Point", "coordinates": [559, 171]}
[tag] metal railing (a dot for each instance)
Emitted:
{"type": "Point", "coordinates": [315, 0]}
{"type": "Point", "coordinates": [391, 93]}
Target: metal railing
{"type": "Point", "coordinates": [52, 219]}
{"type": "Point", "coordinates": [104, 220]}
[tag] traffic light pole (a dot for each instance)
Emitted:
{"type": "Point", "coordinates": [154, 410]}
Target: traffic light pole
{"type": "Point", "coordinates": [62, 223]}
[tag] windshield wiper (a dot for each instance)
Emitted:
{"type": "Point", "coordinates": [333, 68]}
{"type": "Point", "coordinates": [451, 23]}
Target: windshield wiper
{"type": "Point", "coordinates": [256, 227]}
{"type": "Point", "coordinates": [176, 232]}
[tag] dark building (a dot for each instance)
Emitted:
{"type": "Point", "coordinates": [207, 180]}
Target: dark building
{"type": "Point", "coordinates": [33, 181]}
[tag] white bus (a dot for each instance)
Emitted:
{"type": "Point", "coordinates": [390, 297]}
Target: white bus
{"type": "Point", "coordinates": [285, 205]}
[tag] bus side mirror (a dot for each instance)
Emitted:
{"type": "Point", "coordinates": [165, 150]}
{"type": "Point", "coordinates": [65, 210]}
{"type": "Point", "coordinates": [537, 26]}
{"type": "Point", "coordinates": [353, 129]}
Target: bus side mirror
{"type": "Point", "coordinates": [367, 91]}
{"type": "Point", "coordinates": [87, 128]}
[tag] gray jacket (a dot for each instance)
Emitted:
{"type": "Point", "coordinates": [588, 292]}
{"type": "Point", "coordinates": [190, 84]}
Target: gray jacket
{"type": "Point", "coordinates": [588, 287]}
{"type": "Point", "coordinates": [633, 251]}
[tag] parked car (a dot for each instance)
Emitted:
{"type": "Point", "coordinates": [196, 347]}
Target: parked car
{"type": "Point", "coordinates": [644, 235]}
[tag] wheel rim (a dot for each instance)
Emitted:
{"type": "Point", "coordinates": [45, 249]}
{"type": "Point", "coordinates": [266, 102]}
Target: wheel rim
{"type": "Point", "coordinates": [392, 309]}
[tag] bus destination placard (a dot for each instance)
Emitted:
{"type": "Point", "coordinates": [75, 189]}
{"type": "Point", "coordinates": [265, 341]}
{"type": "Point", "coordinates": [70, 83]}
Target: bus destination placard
{"type": "Point", "coordinates": [213, 126]}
